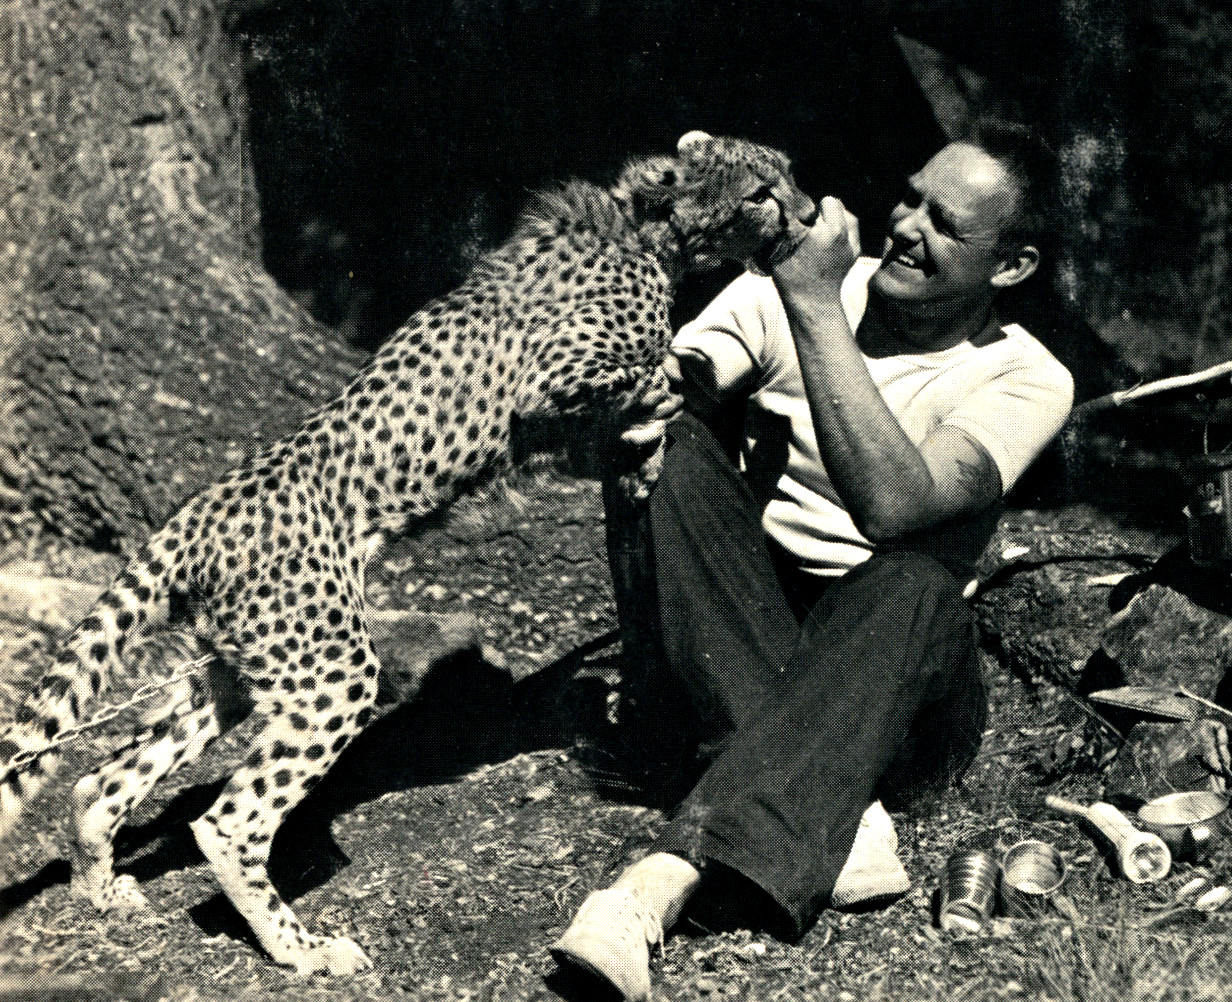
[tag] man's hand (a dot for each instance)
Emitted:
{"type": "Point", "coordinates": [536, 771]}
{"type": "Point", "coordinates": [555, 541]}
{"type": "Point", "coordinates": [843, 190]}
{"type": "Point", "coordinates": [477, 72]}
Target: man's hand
{"type": "Point", "coordinates": [826, 253]}
{"type": "Point", "coordinates": [642, 424]}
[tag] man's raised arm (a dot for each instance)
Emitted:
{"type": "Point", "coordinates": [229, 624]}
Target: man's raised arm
{"type": "Point", "coordinates": [888, 485]}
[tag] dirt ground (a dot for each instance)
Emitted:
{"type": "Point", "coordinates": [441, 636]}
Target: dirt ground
{"type": "Point", "coordinates": [458, 835]}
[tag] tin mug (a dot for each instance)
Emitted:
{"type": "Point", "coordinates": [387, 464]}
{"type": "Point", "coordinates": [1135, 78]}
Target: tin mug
{"type": "Point", "coordinates": [968, 891]}
{"type": "Point", "coordinates": [1209, 511]}
{"type": "Point", "coordinates": [1031, 873]}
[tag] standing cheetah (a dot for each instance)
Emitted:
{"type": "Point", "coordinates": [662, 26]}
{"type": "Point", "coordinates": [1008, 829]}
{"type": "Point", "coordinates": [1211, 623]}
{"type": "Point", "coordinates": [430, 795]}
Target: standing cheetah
{"type": "Point", "coordinates": [569, 316]}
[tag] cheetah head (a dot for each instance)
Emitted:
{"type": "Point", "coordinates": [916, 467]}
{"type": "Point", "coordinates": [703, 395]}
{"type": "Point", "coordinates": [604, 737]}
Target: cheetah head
{"type": "Point", "coordinates": [717, 200]}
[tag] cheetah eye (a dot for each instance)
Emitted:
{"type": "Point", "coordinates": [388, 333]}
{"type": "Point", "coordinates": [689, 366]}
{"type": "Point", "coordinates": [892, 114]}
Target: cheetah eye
{"type": "Point", "coordinates": [668, 178]}
{"type": "Point", "coordinates": [760, 194]}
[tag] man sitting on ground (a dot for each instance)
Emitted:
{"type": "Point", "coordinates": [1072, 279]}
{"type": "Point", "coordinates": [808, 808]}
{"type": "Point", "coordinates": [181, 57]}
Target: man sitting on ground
{"type": "Point", "coordinates": [804, 604]}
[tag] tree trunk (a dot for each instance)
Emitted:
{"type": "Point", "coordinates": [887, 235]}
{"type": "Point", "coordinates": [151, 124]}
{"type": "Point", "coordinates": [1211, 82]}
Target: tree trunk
{"type": "Point", "coordinates": [143, 347]}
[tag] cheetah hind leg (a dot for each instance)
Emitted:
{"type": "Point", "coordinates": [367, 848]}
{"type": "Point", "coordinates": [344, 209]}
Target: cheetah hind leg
{"type": "Point", "coordinates": [103, 800]}
{"type": "Point", "coordinates": [236, 832]}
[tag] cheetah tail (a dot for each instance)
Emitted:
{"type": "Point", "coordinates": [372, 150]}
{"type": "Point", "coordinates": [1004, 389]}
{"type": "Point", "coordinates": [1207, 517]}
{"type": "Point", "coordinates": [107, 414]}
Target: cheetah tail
{"type": "Point", "coordinates": [81, 675]}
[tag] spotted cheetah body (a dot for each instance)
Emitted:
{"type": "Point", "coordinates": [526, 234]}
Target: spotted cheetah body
{"type": "Point", "coordinates": [569, 316]}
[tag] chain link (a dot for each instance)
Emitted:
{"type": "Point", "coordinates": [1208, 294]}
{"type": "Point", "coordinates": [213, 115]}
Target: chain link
{"type": "Point", "coordinates": [22, 760]}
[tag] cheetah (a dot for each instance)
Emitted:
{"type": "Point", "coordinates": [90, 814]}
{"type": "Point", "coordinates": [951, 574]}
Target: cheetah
{"type": "Point", "coordinates": [568, 317]}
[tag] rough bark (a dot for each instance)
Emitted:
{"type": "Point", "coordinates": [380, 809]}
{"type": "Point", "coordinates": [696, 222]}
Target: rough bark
{"type": "Point", "coordinates": [143, 347]}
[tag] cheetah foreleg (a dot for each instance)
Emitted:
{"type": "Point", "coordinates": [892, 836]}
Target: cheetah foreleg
{"type": "Point", "coordinates": [636, 484]}
{"type": "Point", "coordinates": [640, 420]}
{"type": "Point", "coordinates": [103, 800]}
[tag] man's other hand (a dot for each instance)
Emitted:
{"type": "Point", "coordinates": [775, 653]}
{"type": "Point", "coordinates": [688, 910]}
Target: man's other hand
{"type": "Point", "coordinates": [645, 418]}
{"type": "Point", "coordinates": [642, 422]}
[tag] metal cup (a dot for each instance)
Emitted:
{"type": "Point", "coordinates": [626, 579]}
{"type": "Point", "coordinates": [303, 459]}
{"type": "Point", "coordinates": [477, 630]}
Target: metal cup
{"type": "Point", "coordinates": [1209, 512]}
{"type": "Point", "coordinates": [968, 891]}
{"type": "Point", "coordinates": [1031, 873]}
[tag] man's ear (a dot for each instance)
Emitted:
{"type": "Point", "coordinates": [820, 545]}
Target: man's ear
{"type": "Point", "coordinates": [1017, 268]}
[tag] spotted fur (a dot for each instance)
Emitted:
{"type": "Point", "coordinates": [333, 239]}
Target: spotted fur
{"type": "Point", "coordinates": [569, 316]}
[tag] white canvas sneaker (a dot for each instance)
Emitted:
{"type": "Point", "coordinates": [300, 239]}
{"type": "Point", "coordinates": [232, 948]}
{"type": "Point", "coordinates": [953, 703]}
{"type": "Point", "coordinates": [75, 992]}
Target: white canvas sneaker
{"type": "Point", "coordinates": [611, 936]}
{"type": "Point", "coordinates": [873, 870]}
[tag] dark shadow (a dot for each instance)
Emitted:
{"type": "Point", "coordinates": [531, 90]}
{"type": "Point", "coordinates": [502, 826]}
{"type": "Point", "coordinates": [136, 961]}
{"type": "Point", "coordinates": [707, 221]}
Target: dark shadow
{"type": "Point", "coordinates": [216, 916]}
{"type": "Point", "coordinates": [577, 985]}
{"type": "Point", "coordinates": [1101, 672]}
{"type": "Point", "coordinates": [13, 897]}
{"type": "Point", "coordinates": [1128, 462]}
{"type": "Point", "coordinates": [1208, 587]}
{"type": "Point", "coordinates": [167, 837]}
{"type": "Point", "coordinates": [727, 901]}
{"type": "Point", "coordinates": [341, 95]}
{"type": "Point", "coordinates": [467, 713]}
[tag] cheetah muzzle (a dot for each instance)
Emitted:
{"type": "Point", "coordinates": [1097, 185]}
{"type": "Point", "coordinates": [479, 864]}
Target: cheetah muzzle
{"type": "Point", "coordinates": [568, 317]}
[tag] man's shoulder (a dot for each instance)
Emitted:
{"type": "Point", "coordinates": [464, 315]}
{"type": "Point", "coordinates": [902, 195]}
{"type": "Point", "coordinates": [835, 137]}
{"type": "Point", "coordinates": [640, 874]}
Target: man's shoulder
{"type": "Point", "coordinates": [1020, 365]}
{"type": "Point", "coordinates": [1029, 352]}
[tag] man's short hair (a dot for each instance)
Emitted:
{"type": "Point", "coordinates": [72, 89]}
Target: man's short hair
{"type": "Point", "coordinates": [1035, 169]}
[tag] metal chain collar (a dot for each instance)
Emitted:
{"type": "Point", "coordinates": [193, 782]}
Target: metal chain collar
{"type": "Point", "coordinates": [22, 760]}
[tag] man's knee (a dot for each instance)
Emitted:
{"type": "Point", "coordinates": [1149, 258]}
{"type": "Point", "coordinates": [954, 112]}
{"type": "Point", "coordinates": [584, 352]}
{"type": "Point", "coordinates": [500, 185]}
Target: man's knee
{"type": "Point", "coordinates": [698, 475]}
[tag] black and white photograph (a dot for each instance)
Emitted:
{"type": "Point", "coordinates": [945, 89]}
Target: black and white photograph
{"type": "Point", "coordinates": [598, 500]}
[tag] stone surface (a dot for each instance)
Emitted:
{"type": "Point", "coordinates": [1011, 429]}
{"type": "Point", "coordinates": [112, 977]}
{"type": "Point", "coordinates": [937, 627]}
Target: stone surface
{"type": "Point", "coordinates": [1156, 759]}
{"type": "Point", "coordinates": [1161, 638]}
{"type": "Point", "coordinates": [1045, 587]}
{"type": "Point", "coordinates": [1079, 602]}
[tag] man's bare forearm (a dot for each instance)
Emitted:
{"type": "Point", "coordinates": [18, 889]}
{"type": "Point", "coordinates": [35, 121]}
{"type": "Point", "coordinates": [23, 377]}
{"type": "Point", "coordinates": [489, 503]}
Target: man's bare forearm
{"type": "Point", "coordinates": [879, 474]}
{"type": "Point", "coordinates": [888, 485]}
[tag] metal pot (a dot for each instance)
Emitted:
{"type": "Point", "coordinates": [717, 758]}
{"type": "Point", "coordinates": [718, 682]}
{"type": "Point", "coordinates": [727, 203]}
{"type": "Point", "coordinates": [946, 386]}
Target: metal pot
{"type": "Point", "coordinates": [1190, 823]}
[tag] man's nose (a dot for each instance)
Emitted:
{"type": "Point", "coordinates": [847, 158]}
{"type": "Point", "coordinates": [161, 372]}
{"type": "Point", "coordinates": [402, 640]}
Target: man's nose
{"type": "Point", "coordinates": [905, 224]}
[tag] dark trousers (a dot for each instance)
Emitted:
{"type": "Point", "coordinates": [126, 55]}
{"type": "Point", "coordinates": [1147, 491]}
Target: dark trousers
{"type": "Point", "coordinates": [787, 704]}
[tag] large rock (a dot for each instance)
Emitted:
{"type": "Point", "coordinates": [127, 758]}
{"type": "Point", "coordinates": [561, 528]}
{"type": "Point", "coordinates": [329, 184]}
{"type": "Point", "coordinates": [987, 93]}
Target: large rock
{"type": "Point", "coordinates": [1157, 759]}
{"type": "Point", "coordinates": [1046, 581]}
{"type": "Point", "coordinates": [1163, 639]}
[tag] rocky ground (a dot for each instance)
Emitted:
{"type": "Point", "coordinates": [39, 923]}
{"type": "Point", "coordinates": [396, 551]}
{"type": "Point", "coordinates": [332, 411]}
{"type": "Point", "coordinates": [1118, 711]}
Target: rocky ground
{"type": "Point", "coordinates": [455, 839]}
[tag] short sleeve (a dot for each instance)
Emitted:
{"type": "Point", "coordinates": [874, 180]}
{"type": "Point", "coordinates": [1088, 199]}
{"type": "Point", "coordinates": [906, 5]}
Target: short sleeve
{"type": "Point", "coordinates": [720, 350]}
{"type": "Point", "coordinates": [1015, 415]}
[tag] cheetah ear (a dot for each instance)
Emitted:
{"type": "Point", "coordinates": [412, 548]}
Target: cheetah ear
{"type": "Point", "coordinates": [691, 139]}
{"type": "Point", "coordinates": [652, 188]}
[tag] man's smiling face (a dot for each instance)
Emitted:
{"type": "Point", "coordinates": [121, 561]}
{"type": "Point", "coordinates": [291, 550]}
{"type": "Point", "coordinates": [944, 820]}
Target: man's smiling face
{"type": "Point", "coordinates": [943, 246]}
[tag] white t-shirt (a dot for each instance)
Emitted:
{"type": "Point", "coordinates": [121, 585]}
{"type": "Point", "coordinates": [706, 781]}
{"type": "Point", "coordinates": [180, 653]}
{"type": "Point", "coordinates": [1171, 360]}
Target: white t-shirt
{"type": "Point", "coordinates": [1011, 396]}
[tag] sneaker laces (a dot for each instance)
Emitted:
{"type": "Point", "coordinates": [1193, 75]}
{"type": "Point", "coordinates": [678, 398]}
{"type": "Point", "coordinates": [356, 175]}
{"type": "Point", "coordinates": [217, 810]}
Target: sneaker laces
{"type": "Point", "coordinates": [652, 926]}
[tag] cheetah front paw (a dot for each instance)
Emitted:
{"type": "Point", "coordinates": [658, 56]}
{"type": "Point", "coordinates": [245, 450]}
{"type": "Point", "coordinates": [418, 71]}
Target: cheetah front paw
{"type": "Point", "coordinates": [636, 485]}
{"type": "Point", "coordinates": [335, 957]}
{"type": "Point", "coordinates": [115, 894]}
